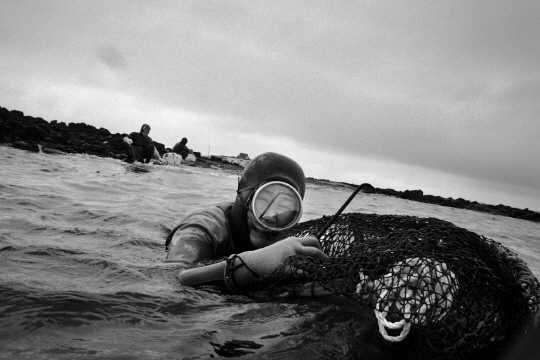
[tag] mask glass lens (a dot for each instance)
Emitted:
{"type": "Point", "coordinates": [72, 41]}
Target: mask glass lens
{"type": "Point", "coordinates": [276, 206]}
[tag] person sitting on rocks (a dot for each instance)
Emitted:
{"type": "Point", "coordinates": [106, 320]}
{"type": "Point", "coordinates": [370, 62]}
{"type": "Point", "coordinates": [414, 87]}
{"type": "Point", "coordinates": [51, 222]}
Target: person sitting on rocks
{"type": "Point", "coordinates": [141, 147]}
{"type": "Point", "coordinates": [181, 148]}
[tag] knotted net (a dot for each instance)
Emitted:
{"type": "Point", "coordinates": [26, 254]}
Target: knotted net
{"type": "Point", "coordinates": [442, 290]}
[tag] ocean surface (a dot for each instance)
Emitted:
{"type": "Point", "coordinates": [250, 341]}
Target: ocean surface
{"type": "Point", "coordinates": [82, 273]}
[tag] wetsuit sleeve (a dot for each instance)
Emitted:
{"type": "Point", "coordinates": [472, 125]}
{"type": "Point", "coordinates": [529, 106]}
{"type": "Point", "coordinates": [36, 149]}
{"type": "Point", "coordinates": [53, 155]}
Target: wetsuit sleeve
{"type": "Point", "coordinates": [201, 236]}
{"type": "Point", "coordinates": [190, 244]}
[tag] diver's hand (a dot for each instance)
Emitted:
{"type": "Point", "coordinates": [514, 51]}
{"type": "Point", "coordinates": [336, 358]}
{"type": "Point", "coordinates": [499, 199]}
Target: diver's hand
{"type": "Point", "coordinates": [128, 140]}
{"type": "Point", "coordinates": [261, 261]}
{"type": "Point", "coordinates": [264, 261]}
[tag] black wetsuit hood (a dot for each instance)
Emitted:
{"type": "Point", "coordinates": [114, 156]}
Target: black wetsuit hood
{"type": "Point", "coordinates": [263, 168]}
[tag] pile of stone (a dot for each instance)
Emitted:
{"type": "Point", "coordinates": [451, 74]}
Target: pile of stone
{"type": "Point", "coordinates": [29, 133]}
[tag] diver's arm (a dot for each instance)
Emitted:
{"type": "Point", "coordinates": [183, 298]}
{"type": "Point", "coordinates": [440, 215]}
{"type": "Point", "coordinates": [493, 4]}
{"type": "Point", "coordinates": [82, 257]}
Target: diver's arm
{"type": "Point", "coordinates": [240, 269]}
{"type": "Point", "coordinates": [191, 245]}
{"type": "Point", "coordinates": [205, 275]}
{"type": "Point", "coordinates": [264, 261]}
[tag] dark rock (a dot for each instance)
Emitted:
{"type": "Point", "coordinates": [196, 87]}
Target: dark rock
{"type": "Point", "coordinates": [37, 121]}
{"type": "Point", "coordinates": [16, 136]}
{"type": "Point", "coordinates": [47, 128]}
{"type": "Point", "coordinates": [117, 145]}
{"type": "Point", "coordinates": [82, 128]}
{"type": "Point", "coordinates": [390, 192]}
{"type": "Point", "coordinates": [53, 151]}
{"type": "Point", "coordinates": [99, 150]}
{"type": "Point", "coordinates": [367, 189]}
{"type": "Point", "coordinates": [56, 147]}
{"type": "Point", "coordinates": [15, 125]}
{"type": "Point", "coordinates": [5, 114]}
{"type": "Point", "coordinates": [5, 133]}
{"type": "Point", "coordinates": [479, 207]}
{"type": "Point", "coordinates": [59, 138]}
{"type": "Point", "coordinates": [26, 146]}
{"type": "Point", "coordinates": [34, 133]}
{"type": "Point", "coordinates": [17, 113]}
{"type": "Point", "coordinates": [460, 203]}
{"type": "Point", "coordinates": [532, 216]}
{"type": "Point", "coordinates": [416, 195]}
{"type": "Point", "coordinates": [104, 132]}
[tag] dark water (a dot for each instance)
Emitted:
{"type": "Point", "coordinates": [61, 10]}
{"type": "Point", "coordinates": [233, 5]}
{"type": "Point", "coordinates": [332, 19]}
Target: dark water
{"type": "Point", "coordinates": [82, 277]}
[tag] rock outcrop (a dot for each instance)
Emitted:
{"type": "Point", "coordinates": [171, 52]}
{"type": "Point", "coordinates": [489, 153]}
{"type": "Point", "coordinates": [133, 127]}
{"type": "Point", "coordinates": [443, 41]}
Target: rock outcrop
{"type": "Point", "coordinates": [27, 132]}
{"type": "Point", "coordinates": [30, 133]}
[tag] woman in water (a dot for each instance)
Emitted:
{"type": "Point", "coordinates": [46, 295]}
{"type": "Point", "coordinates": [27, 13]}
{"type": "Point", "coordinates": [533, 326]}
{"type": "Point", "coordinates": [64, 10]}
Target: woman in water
{"type": "Point", "coordinates": [269, 200]}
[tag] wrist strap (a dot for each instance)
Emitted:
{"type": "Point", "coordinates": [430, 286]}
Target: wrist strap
{"type": "Point", "coordinates": [230, 280]}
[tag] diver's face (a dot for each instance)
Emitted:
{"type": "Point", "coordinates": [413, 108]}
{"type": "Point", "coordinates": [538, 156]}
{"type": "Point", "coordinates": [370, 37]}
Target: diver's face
{"type": "Point", "coordinates": [145, 132]}
{"type": "Point", "coordinates": [272, 207]}
{"type": "Point", "coordinates": [259, 237]}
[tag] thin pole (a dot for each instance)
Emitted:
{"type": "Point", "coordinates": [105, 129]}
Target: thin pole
{"type": "Point", "coordinates": [329, 223]}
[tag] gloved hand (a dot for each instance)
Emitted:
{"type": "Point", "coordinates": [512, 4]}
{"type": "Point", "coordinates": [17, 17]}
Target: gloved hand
{"type": "Point", "coordinates": [128, 140]}
{"type": "Point", "coordinates": [263, 261]}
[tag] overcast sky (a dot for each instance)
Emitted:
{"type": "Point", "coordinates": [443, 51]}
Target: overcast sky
{"type": "Point", "coordinates": [442, 96]}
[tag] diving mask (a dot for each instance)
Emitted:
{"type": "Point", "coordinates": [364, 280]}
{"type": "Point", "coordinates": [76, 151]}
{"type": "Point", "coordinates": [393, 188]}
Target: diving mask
{"type": "Point", "coordinates": [275, 205]}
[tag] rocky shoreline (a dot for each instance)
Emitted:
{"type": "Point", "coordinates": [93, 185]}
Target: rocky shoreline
{"type": "Point", "coordinates": [55, 137]}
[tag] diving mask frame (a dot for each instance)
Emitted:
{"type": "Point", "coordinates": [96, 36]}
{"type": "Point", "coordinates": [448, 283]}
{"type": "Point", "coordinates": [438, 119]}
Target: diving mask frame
{"type": "Point", "coordinates": [279, 190]}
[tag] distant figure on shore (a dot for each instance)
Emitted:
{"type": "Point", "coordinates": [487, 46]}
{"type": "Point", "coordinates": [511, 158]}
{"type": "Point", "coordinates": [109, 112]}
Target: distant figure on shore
{"type": "Point", "coordinates": [181, 148]}
{"type": "Point", "coordinates": [140, 146]}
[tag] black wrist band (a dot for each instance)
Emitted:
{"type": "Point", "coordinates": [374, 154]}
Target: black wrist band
{"type": "Point", "coordinates": [230, 280]}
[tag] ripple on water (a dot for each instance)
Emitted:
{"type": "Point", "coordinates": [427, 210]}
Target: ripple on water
{"type": "Point", "coordinates": [82, 274]}
{"type": "Point", "coordinates": [31, 309]}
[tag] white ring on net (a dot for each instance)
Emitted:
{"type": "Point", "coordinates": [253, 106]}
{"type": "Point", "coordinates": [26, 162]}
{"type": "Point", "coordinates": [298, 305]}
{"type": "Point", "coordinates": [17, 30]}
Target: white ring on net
{"type": "Point", "coordinates": [383, 324]}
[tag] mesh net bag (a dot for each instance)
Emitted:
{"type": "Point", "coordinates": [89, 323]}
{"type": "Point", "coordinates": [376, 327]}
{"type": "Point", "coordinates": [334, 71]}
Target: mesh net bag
{"type": "Point", "coordinates": [442, 290]}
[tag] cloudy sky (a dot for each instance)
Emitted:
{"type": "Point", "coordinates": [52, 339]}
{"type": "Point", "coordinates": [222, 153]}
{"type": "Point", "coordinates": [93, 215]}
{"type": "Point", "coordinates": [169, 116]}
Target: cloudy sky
{"type": "Point", "coordinates": [442, 96]}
